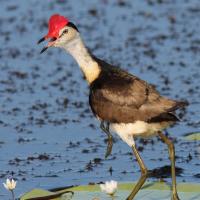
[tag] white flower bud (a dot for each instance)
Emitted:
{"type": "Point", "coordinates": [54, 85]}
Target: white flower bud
{"type": "Point", "coordinates": [110, 187]}
{"type": "Point", "coordinates": [10, 184]}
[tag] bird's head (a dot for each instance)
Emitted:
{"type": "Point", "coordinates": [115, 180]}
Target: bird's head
{"type": "Point", "coordinates": [61, 32]}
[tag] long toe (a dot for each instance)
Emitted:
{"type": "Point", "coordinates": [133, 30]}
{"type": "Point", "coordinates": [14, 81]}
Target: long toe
{"type": "Point", "coordinates": [109, 149]}
{"type": "Point", "coordinates": [175, 197]}
{"type": "Point", "coordinates": [108, 152]}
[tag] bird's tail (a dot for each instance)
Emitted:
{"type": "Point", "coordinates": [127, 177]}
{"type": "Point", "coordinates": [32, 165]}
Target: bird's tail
{"type": "Point", "coordinates": [178, 104]}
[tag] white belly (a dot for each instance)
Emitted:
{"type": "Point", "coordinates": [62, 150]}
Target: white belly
{"type": "Point", "coordinates": [137, 129]}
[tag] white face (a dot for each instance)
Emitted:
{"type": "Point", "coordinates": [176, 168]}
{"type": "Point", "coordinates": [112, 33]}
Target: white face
{"type": "Point", "coordinates": [66, 35]}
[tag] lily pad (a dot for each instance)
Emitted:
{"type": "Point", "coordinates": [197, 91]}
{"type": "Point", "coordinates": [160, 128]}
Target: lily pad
{"type": "Point", "coordinates": [39, 194]}
{"type": "Point", "coordinates": [150, 190]}
{"type": "Point", "coordinates": [192, 136]}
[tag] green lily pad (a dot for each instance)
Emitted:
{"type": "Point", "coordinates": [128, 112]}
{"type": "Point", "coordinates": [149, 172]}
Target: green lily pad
{"type": "Point", "coordinates": [192, 136]}
{"type": "Point", "coordinates": [150, 190]}
{"type": "Point", "coordinates": [39, 194]}
{"type": "Point", "coordinates": [35, 193]}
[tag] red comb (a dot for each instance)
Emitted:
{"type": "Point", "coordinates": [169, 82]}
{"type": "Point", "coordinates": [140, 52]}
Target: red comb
{"type": "Point", "coordinates": [56, 22]}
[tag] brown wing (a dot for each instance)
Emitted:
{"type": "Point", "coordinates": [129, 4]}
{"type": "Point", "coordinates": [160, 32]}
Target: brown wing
{"type": "Point", "coordinates": [117, 96]}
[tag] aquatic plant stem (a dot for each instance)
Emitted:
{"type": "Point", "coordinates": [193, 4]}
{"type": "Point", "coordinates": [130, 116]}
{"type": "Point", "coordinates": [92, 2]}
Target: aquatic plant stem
{"type": "Point", "coordinates": [13, 194]}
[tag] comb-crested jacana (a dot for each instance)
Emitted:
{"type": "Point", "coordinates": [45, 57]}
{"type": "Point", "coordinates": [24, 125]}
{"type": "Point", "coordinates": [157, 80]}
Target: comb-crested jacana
{"type": "Point", "coordinates": [121, 101]}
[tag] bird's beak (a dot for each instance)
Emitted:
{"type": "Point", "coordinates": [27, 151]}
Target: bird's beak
{"type": "Point", "coordinates": [41, 40]}
{"type": "Point", "coordinates": [50, 43]}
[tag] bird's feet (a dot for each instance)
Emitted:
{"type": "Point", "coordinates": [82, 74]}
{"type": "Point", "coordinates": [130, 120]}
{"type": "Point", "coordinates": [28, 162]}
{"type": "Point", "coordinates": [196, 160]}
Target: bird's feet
{"type": "Point", "coordinates": [175, 197]}
{"type": "Point", "coordinates": [109, 147]}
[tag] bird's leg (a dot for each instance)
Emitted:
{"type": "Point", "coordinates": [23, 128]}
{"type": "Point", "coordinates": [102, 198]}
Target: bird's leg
{"type": "Point", "coordinates": [143, 176]}
{"type": "Point", "coordinates": [106, 130]}
{"type": "Point", "coordinates": [171, 149]}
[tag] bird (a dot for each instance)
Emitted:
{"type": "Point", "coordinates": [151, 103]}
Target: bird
{"type": "Point", "coordinates": [122, 102]}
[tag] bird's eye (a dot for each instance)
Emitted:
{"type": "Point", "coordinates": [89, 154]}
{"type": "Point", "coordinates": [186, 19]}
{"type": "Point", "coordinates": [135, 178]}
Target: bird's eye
{"type": "Point", "coordinates": [65, 31]}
